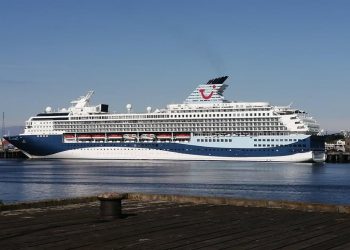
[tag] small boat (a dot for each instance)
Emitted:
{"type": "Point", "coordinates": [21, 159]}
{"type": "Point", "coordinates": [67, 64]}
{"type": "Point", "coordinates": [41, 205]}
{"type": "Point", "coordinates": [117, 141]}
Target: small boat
{"type": "Point", "coordinates": [69, 137]}
{"type": "Point", "coordinates": [115, 136]}
{"type": "Point", "coordinates": [130, 137]}
{"type": "Point", "coordinates": [164, 136]}
{"type": "Point", "coordinates": [148, 136]}
{"type": "Point", "coordinates": [183, 136]}
{"type": "Point", "coordinates": [98, 136]}
{"type": "Point", "coordinates": [84, 137]}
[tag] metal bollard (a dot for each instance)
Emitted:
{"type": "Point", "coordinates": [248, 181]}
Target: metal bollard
{"type": "Point", "coordinates": [111, 205]}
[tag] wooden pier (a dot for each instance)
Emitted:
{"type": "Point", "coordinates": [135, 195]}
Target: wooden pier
{"type": "Point", "coordinates": [338, 157]}
{"type": "Point", "coordinates": [171, 222]}
{"type": "Point", "coordinates": [11, 154]}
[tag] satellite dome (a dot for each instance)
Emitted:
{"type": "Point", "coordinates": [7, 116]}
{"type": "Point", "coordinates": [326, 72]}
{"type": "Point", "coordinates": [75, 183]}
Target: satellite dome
{"type": "Point", "coordinates": [48, 110]}
{"type": "Point", "coordinates": [129, 107]}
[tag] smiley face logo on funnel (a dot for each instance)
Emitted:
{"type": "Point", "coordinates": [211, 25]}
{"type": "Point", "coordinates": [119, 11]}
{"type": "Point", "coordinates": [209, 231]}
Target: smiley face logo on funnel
{"type": "Point", "coordinates": [206, 96]}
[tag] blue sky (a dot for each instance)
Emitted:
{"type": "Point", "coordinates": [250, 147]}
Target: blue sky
{"type": "Point", "coordinates": [151, 53]}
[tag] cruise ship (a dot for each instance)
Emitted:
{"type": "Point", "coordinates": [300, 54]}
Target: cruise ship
{"type": "Point", "coordinates": [205, 126]}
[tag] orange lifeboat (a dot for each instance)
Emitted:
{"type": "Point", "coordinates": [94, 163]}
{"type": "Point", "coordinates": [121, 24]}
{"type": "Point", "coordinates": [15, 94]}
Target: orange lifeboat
{"type": "Point", "coordinates": [183, 136]}
{"type": "Point", "coordinates": [164, 136]}
{"type": "Point", "coordinates": [69, 137]}
{"type": "Point", "coordinates": [98, 136]}
{"type": "Point", "coordinates": [115, 136]}
{"type": "Point", "coordinates": [84, 137]}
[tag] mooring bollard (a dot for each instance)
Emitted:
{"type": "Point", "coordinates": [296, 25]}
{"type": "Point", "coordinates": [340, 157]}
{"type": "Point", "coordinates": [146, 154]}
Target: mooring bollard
{"type": "Point", "coordinates": [111, 205]}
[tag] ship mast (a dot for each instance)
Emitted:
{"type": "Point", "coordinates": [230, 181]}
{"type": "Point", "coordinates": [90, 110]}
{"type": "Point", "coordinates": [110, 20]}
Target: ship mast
{"type": "Point", "coordinates": [3, 131]}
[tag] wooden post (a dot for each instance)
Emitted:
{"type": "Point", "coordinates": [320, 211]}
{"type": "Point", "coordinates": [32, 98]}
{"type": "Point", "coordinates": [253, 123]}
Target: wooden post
{"type": "Point", "coordinates": [111, 205]}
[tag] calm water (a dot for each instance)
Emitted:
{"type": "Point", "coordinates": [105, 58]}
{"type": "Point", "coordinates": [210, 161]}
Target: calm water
{"type": "Point", "coordinates": [23, 180]}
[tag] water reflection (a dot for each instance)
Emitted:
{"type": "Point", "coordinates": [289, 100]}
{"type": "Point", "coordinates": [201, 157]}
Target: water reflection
{"type": "Point", "coordinates": [34, 180]}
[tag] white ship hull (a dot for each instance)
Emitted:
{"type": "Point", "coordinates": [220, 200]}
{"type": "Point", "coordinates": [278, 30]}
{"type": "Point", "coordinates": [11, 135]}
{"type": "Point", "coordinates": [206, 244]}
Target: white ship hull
{"type": "Point", "coordinates": [110, 153]}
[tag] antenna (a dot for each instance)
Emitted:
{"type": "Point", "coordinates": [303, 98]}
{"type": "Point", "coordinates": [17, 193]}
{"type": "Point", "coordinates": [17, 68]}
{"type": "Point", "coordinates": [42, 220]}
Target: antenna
{"type": "Point", "coordinates": [2, 134]}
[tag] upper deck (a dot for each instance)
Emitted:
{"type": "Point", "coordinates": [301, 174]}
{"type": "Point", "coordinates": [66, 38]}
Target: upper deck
{"type": "Point", "coordinates": [204, 111]}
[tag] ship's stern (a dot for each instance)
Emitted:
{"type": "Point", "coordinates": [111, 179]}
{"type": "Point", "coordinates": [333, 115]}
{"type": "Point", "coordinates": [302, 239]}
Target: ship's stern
{"type": "Point", "coordinates": [317, 144]}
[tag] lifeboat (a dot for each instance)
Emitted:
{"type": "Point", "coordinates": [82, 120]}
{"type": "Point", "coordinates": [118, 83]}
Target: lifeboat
{"type": "Point", "coordinates": [98, 136]}
{"type": "Point", "coordinates": [84, 137]}
{"type": "Point", "coordinates": [115, 137]}
{"type": "Point", "coordinates": [164, 136]}
{"type": "Point", "coordinates": [69, 137]}
{"type": "Point", "coordinates": [130, 137]}
{"type": "Point", "coordinates": [148, 136]}
{"type": "Point", "coordinates": [183, 136]}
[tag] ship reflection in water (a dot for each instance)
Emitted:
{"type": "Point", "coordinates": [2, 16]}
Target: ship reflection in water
{"type": "Point", "coordinates": [22, 180]}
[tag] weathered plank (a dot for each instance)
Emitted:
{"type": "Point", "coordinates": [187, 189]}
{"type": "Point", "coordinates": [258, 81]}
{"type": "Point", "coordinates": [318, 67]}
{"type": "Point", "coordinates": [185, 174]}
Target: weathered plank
{"type": "Point", "coordinates": [165, 225]}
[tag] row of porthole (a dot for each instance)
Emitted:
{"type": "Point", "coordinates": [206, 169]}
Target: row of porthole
{"type": "Point", "coordinates": [287, 145]}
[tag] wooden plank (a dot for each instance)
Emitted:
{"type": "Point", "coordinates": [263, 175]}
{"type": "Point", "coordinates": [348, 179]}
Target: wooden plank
{"type": "Point", "coordinates": [164, 225]}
